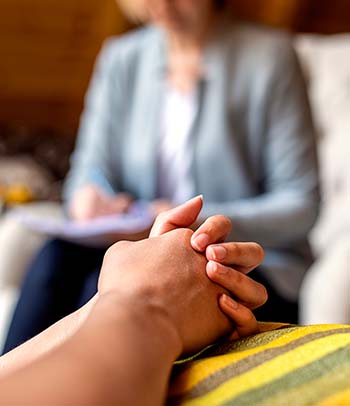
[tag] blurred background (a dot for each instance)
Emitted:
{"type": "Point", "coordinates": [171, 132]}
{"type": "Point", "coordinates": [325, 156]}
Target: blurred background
{"type": "Point", "coordinates": [48, 49]}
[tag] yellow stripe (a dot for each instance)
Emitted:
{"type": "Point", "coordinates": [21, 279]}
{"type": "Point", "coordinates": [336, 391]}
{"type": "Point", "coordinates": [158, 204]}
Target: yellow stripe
{"type": "Point", "coordinates": [339, 399]}
{"type": "Point", "coordinates": [201, 369]}
{"type": "Point", "coordinates": [304, 394]}
{"type": "Point", "coordinates": [271, 370]}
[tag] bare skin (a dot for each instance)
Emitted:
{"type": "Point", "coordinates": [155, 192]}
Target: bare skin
{"type": "Point", "coordinates": [140, 315]}
{"type": "Point", "coordinates": [91, 202]}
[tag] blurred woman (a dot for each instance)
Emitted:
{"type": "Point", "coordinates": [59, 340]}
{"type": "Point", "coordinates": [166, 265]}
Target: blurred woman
{"type": "Point", "coordinates": [193, 103]}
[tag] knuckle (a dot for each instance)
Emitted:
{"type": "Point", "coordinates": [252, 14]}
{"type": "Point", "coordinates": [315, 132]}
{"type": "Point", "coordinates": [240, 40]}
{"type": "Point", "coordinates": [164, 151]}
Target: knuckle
{"type": "Point", "coordinates": [113, 249]}
{"type": "Point", "coordinates": [123, 244]}
{"type": "Point", "coordinates": [236, 249]}
{"type": "Point", "coordinates": [208, 225]}
{"type": "Point", "coordinates": [183, 234]}
{"type": "Point", "coordinates": [110, 251]}
{"type": "Point", "coordinates": [219, 221]}
{"type": "Point", "coordinates": [109, 254]}
{"type": "Point", "coordinates": [187, 234]}
{"type": "Point", "coordinates": [223, 221]}
{"type": "Point", "coordinates": [238, 277]}
{"type": "Point", "coordinates": [161, 218]}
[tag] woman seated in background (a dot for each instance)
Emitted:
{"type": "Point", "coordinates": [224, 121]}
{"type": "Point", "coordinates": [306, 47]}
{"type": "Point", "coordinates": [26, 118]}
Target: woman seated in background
{"type": "Point", "coordinates": [193, 103]}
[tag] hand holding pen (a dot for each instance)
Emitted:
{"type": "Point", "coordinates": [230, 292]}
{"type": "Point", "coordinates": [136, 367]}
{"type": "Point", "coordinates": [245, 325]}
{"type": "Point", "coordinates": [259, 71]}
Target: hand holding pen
{"type": "Point", "coordinates": [98, 199]}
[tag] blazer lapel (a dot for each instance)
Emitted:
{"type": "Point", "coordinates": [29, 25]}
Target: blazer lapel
{"type": "Point", "coordinates": [140, 158]}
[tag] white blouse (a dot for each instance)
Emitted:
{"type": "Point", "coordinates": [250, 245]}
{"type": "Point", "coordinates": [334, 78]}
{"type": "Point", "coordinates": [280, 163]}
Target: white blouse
{"type": "Point", "coordinates": [175, 150]}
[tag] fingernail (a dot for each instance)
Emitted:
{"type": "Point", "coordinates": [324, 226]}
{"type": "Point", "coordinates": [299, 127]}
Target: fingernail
{"type": "Point", "coordinates": [217, 268]}
{"type": "Point", "coordinates": [201, 241]}
{"type": "Point", "coordinates": [212, 266]}
{"type": "Point", "coordinates": [195, 198]}
{"type": "Point", "coordinates": [230, 302]}
{"type": "Point", "coordinates": [218, 252]}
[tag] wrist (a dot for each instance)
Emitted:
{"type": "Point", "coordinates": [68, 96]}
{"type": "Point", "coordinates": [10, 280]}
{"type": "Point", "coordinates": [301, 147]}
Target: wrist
{"type": "Point", "coordinates": [148, 318]}
{"type": "Point", "coordinates": [123, 340]}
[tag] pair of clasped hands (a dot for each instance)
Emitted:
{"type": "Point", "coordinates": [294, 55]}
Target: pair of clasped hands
{"type": "Point", "coordinates": [193, 279]}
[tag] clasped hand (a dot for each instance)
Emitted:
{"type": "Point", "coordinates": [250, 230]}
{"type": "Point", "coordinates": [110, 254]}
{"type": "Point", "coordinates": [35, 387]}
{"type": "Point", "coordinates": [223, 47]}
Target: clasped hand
{"type": "Point", "coordinates": [195, 280]}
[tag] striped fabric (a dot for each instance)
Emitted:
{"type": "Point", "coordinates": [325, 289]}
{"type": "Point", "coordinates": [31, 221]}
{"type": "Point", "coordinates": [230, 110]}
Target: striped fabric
{"type": "Point", "coordinates": [283, 365]}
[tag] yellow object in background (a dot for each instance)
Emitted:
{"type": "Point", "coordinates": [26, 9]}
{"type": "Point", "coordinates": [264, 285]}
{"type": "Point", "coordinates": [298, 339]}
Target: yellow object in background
{"type": "Point", "coordinates": [16, 194]}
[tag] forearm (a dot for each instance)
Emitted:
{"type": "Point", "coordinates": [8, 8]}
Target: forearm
{"type": "Point", "coordinates": [45, 342]}
{"type": "Point", "coordinates": [121, 355]}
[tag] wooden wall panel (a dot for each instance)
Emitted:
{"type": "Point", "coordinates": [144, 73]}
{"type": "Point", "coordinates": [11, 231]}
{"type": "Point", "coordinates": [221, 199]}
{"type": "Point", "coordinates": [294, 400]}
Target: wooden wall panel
{"type": "Point", "coordinates": [48, 47]}
{"type": "Point", "coordinates": [47, 51]}
{"type": "Point", "coordinates": [280, 13]}
{"type": "Point", "coordinates": [323, 16]}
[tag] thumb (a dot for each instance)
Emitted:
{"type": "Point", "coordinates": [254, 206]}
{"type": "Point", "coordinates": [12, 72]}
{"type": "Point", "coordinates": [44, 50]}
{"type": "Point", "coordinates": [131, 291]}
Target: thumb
{"type": "Point", "coordinates": [181, 216]}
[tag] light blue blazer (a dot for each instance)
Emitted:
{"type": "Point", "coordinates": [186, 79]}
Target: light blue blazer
{"type": "Point", "coordinates": [255, 157]}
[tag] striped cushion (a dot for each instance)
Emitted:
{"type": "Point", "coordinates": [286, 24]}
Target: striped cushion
{"type": "Point", "coordinates": [283, 365]}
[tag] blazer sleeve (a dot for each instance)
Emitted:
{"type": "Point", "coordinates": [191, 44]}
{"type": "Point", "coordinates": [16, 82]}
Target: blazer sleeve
{"type": "Point", "coordinates": [99, 126]}
{"type": "Point", "coordinates": [288, 207]}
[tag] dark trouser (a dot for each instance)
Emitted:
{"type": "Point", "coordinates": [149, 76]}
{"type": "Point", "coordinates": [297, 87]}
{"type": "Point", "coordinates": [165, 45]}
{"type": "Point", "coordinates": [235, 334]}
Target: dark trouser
{"type": "Point", "coordinates": [61, 279]}
{"type": "Point", "coordinates": [277, 308]}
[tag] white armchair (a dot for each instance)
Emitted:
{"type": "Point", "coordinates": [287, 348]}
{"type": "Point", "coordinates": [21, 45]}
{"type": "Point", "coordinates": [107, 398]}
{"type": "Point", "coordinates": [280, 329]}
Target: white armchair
{"type": "Point", "coordinates": [325, 295]}
{"type": "Point", "coordinates": [18, 246]}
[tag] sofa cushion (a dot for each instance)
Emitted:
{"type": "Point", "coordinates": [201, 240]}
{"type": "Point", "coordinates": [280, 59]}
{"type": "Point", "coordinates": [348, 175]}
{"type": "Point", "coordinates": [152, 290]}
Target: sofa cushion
{"type": "Point", "coordinates": [285, 365]}
{"type": "Point", "coordinates": [8, 299]}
